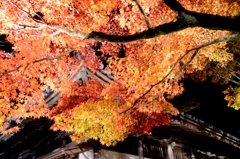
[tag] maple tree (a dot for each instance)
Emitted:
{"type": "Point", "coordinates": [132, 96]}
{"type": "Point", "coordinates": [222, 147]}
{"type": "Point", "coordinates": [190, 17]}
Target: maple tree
{"type": "Point", "coordinates": [144, 47]}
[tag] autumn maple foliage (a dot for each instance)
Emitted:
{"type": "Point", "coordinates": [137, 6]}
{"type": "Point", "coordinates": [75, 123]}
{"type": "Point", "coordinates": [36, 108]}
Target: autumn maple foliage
{"type": "Point", "coordinates": [143, 47]}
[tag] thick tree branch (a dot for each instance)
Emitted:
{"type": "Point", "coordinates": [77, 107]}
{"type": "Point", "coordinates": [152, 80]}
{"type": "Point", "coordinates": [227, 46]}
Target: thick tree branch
{"type": "Point", "coordinates": [184, 20]}
{"type": "Point", "coordinates": [174, 5]}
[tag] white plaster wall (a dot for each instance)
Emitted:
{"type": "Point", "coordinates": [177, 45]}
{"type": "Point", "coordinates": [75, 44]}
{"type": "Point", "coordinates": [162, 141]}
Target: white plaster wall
{"type": "Point", "coordinates": [87, 154]}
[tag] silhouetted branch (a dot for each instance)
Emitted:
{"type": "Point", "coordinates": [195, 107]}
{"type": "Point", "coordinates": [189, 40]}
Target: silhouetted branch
{"type": "Point", "coordinates": [184, 20]}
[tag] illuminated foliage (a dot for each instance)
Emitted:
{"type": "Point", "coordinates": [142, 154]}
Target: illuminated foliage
{"type": "Point", "coordinates": [145, 47]}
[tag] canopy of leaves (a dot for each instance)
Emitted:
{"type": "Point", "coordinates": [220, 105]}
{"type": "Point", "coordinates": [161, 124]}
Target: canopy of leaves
{"type": "Point", "coordinates": [53, 40]}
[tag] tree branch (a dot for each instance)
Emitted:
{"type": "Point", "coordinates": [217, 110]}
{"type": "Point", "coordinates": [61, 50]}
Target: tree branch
{"type": "Point", "coordinates": [187, 63]}
{"type": "Point", "coordinates": [225, 38]}
{"type": "Point", "coordinates": [174, 5]}
{"type": "Point", "coordinates": [231, 72]}
{"type": "Point", "coordinates": [143, 13]}
{"type": "Point", "coordinates": [224, 77]}
{"type": "Point", "coordinates": [155, 84]}
{"type": "Point", "coordinates": [196, 51]}
{"type": "Point", "coordinates": [36, 61]}
{"type": "Point", "coordinates": [185, 20]}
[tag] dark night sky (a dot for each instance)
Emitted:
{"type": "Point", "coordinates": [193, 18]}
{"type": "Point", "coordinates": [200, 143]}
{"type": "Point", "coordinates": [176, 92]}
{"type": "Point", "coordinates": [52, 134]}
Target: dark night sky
{"type": "Point", "coordinates": [213, 108]}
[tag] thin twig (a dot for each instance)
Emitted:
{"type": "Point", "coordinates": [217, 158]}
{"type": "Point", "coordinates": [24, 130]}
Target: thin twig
{"type": "Point", "coordinates": [232, 72]}
{"type": "Point", "coordinates": [144, 15]}
{"type": "Point", "coordinates": [224, 77]}
{"type": "Point", "coordinates": [186, 64]}
{"type": "Point", "coordinates": [155, 84]}
{"type": "Point", "coordinates": [196, 49]}
{"type": "Point", "coordinates": [26, 12]}
{"type": "Point", "coordinates": [36, 61]}
{"type": "Point", "coordinates": [235, 45]}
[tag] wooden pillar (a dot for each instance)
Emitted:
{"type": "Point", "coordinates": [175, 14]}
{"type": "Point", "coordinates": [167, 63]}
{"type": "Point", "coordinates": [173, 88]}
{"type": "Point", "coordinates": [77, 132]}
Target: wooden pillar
{"type": "Point", "coordinates": [170, 147]}
{"type": "Point", "coordinates": [140, 149]}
